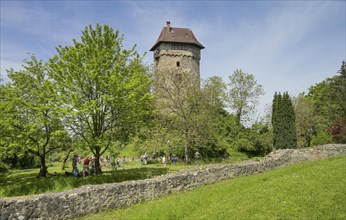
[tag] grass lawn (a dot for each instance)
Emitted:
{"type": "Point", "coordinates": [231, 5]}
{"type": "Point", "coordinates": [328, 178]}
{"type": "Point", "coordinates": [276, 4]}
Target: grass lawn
{"type": "Point", "coordinates": [311, 190]}
{"type": "Point", "coordinates": [18, 183]}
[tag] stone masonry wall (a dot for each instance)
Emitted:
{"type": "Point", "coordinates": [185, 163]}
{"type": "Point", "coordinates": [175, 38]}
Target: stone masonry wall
{"type": "Point", "coordinates": [91, 199]}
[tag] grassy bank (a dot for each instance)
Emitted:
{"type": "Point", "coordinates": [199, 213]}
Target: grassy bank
{"type": "Point", "coordinates": [312, 190]}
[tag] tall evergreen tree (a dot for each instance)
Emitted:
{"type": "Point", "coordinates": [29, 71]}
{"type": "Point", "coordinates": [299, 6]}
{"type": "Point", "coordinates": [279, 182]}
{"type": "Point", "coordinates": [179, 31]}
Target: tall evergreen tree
{"type": "Point", "coordinates": [274, 117]}
{"type": "Point", "coordinates": [283, 122]}
{"type": "Point", "coordinates": [290, 134]}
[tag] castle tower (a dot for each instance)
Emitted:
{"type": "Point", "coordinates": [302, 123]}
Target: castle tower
{"type": "Point", "coordinates": [177, 51]}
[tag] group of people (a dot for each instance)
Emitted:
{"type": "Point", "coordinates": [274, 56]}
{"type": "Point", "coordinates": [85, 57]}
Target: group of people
{"type": "Point", "coordinates": [89, 163]}
{"type": "Point", "coordinates": [116, 163]}
{"type": "Point", "coordinates": [144, 159]}
{"type": "Point", "coordinates": [89, 166]}
{"type": "Point", "coordinates": [173, 159]}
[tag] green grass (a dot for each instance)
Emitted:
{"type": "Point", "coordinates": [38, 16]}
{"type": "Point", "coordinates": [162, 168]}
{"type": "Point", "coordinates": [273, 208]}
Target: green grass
{"type": "Point", "coordinates": [18, 183]}
{"type": "Point", "coordinates": [25, 182]}
{"type": "Point", "coordinates": [312, 190]}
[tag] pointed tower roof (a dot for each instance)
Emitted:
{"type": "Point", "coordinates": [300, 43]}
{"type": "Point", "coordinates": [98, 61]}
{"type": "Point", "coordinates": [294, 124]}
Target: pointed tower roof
{"type": "Point", "coordinates": [176, 35]}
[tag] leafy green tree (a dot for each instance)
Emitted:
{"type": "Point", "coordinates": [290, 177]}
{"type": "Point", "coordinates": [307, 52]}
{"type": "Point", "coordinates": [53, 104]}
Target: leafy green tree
{"type": "Point", "coordinates": [183, 109]}
{"type": "Point", "coordinates": [6, 131]}
{"type": "Point", "coordinates": [159, 140]}
{"type": "Point", "coordinates": [32, 118]}
{"type": "Point", "coordinates": [253, 141]}
{"type": "Point", "coordinates": [283, 122]}
{"type": "Point", "coordinates": [306, 120]}
{"type": "Point", "coordinates": [215, 92]}
{"type": "Point", "coordinates": [338, 90]}
{"type": "Point", "coordinates": [243, 94]}
{"type": "Point", "coordinates": [321, 137]}
{"type": "Point", "coordinates": [104, 89]}
{"type": "Point", "coordinates": [328, 99]}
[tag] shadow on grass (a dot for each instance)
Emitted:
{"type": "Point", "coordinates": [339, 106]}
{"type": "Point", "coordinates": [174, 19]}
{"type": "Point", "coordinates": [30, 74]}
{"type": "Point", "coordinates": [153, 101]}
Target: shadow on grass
{"type": "Point", "coordinates": [28, 183]}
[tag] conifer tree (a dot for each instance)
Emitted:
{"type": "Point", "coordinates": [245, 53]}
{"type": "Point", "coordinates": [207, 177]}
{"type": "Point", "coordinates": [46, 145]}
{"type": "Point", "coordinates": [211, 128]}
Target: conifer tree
{"type": "Point", "coordinates": [274, 118]}
{"type": "Point", "coordinates": [289, 132]}
{"type": "Point", "coordinates": [283, 122]}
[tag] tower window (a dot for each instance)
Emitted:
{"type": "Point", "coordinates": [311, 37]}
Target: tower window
{"type": "Point", "coordinates": [178, 63]}
{"type": "Point", "coordinates": [178, 47]}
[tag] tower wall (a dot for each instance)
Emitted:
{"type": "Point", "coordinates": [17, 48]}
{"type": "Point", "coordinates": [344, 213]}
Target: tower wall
{"type": "Point", "coordinates": [186, 60]}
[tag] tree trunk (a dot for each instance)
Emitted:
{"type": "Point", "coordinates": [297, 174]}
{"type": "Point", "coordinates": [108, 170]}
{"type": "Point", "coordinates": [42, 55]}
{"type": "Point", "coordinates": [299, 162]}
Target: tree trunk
{"type": "Point", "coordinates": [238, 117]}
{"type": "Point", "coordinates": [186, 152]}
{"type": "Point", "coordinates": [43, 170]}
{"type": "Point", "coordinates": [97, 161]}
{"type": "Point", "coordinates": [65, 159]}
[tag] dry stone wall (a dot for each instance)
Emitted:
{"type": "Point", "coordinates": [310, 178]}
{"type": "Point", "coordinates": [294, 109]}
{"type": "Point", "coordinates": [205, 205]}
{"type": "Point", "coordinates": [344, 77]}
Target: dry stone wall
{"type": "Point", "coordinates": [91, 199]}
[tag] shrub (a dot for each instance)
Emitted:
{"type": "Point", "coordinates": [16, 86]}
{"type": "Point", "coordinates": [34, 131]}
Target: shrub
{"type": "Point", "coordinates": [322, 137]}
{"type": "Point", "coordinates": [3, 167]}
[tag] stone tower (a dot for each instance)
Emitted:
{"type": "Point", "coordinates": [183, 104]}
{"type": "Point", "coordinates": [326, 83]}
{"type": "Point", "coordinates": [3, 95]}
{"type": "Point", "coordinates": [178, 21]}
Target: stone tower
{"type": "Point", "coordinates": [178, 52]}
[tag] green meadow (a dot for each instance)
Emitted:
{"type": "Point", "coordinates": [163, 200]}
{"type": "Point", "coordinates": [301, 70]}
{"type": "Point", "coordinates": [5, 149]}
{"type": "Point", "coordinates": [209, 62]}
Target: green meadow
{"type": "Point", "coordinates": [25, 182]}
{"type": "Point", "coordinates": [311, 190]}
{"type": "Point", "coordinates": [17, 183]}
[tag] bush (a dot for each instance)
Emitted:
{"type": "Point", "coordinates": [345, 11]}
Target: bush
{"type": "Point", "coordinates": [3, 167]}
{"type": "Point", "coordinates": [321, 138]}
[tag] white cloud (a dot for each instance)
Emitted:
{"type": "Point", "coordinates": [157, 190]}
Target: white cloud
{"type": "Point", "coordinates": [7, 65]}
{"type": "Point", "coordinates": [280, 49]}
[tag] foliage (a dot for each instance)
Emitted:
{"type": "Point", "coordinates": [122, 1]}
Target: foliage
{"type": "Point", "coordinates": [183, 109]}
{"type": "Point", "coordinates": [295, 192]}
{"type": "Point", "coordinates": [321, 137]}
{"type": "Point", "coordinates": [329, 100]}
{"type": "Point", "coordinates": [254, 141]}
{"type": "Point", "coordinates": [158, 140]}
{"type": "Point", "coordinates": [215, 92]}
{"type": "Point", "coordinates": [104, 89]}
{"type": "Point", "coordinates": [3, 167]}
{"type": "Point", "coordinates": [306, 120]}
{"type": "Point", "coordinates": [33, 124]}
{"type": "Point", "coordinates": [243, 94]}
{"type": "Point", "coordinates": [321, 113]}
{"type": "Point", "coordinates": [283, 122]}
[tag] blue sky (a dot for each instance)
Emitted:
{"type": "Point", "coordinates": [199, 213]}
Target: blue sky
{"type": "Point", "coordinates": [286, 45]}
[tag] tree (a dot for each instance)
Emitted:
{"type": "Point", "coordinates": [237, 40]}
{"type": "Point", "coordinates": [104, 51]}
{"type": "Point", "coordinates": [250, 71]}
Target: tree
{"type": "Point", "coordinates": [328, 99]}
{"type": "Point", "coordinates": [283, 122]}
{"type": "Point", "coordinates": [215, 92]}
{"type": "Point", "coordinates": [34, 122]}
{"type": "Point", "coordinates": [306, 120]}
{"type": "Point", "coordinates": [338, 90]}
{"type": "Point", "coordinates": [182, 109]}
{"type": "Point", "coordinates": [104, 89]}
{"type": "Point", "coordinates": [243, 94]}
{"type": "Point", "coordinates": [6, 139]}
{"type": "Point", "coordinates": [290, 121]}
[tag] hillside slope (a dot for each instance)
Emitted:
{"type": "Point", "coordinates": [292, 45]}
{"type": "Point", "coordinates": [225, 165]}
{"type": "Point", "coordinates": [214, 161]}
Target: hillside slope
{"type": "Point", "coordinates": [310, 190]}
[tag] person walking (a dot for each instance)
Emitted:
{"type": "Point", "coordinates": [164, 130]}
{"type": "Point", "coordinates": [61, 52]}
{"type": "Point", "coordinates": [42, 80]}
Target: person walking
{"type": "Point", "coordinates": [164, 160]}
{"type": "Point", "coordinates": [86, 163]}
{"type": "Point", "coordinates": [123, 160]}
